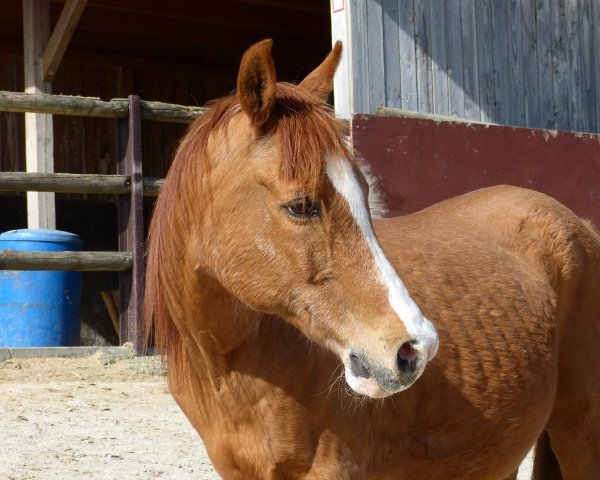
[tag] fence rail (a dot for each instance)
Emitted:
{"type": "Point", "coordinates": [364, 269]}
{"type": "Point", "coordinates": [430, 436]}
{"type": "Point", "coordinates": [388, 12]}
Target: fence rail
{"type": "Point", "coordinates": [75, 183]}
{"type": "Point", "coordinates": [129, 185]}
{"type": "Point", "coordinates": [81, 261]}
{"type": "Point", "coordinates": [94, 107]}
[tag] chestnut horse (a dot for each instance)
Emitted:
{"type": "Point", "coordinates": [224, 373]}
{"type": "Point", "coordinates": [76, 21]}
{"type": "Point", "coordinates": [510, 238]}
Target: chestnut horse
{"type": "Point", "coordinates": [292, 341]}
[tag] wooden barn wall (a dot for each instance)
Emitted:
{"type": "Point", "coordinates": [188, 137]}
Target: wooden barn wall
{"type": "Point", "coordinates": [12, 125]}
{"type": "Point", "coordinates": [420, 162]}
{"type": "Point", "coordinates": [532, 63]}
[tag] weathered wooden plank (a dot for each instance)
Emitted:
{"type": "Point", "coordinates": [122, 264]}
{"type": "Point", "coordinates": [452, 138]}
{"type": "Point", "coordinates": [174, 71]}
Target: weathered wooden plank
{"type": "Point", "coordinates": [151, 186]}
{"type": "Point", "coordinates": [439, 64]}
{"type": "Point", "coordinates": [485, 59]}
{"type": "Point", "coordinates": [81, 261]}
{"type": "Point", "coordinates": [530, 79]}
{"type": "Point", "coordinates": [360, 59]}
{"type": "Point", "coordinates": [61, 35]}
{"type": "Point", "coordinates": [408, 71]}
{"type": "Point", "coordinates": [10, 123]}
{"type": "Point", "coordinates": [588, 87]}
{"type": "Point", "coordinates": [62, 105]}
{"type": "Point", "coordinates": [398, 112]}
{"type": "Point", "coordinates": [94, 107]}
{"type": "Point", "coordinates": [576, 100]}
{"type": "Point", "coordinates": [560, 66]}
{"type": "Point", "coordinates": [391, 54]}
{"type": "Point", "coordinates": [470, 64]}
{"type": "Point", "coordinates": [516, 63]}
{"type": "Point", "coordinates": [423, 56]}
{"type": "Point", "coordinates": [543, 12]}
{"type": "Point", "coordinates": [501, 110]}
{"type": "Point", "coordinates": [167, 112]}
{"type": "Point", "coordinates": [596, 56]}
{"type": "Point", "coordinates": [454, 60]}
{"type": "Point", "coordinates": [375, 48]}
{"type": "Point", "coordinates": [74, 183]}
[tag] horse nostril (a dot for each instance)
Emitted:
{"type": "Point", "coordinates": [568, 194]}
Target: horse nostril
{"type": "Point", "coordinates": [408, 358]}
{"type": "Point", "coordinates": [357, 366]}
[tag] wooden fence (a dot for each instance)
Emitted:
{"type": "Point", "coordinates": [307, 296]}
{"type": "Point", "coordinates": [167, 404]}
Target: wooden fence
{"type": "Point", "coordinates": [129, 184]}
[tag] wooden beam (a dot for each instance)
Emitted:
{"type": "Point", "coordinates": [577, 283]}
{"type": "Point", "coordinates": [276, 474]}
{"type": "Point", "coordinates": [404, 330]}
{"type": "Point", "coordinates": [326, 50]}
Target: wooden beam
{"type": "Point", "coordinates": [75, 183]}
{"type": "Point", "coordinates": [39, 141]}
{"type": "Point", "coordinates": [398, 112]}
{"type": "Point", "coordinates": [94, 107]}
{"type": "Point", "coordinates": [80, 261]}
{"type": "Point", "coordinates": [61, 36]}
{"type": "Point", "coordinates": [342, 82]}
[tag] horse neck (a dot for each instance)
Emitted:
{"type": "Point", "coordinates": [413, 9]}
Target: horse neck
{"type": "Point", "coordinates": [218, 322]}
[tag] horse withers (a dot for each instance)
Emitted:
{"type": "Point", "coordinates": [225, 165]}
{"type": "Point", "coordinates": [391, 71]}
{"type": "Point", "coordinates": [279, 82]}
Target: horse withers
{"type": "Point", "coordinates": [305, 339]}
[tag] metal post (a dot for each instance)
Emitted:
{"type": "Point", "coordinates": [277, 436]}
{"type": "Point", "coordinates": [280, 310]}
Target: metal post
{"type": "Point", "coordinates": [131, 225]}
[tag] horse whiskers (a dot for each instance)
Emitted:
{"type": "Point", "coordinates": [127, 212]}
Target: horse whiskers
{"type": "Point", "coordinates": [331, 382]}
{"type": "Point", "coordinates": [351, 401]}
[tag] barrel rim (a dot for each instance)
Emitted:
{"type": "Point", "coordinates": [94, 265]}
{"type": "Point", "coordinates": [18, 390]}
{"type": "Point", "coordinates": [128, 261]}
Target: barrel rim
{"type": "Point", "coordinates": [41, 235]}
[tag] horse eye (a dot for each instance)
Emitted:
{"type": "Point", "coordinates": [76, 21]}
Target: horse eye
{"type": "Point", "coordinates": [303, 208]}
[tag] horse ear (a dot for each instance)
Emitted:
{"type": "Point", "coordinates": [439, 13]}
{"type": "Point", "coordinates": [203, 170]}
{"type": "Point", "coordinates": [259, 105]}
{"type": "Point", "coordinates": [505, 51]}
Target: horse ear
{"type": "Point", "coordinates": [320, 80]}
{"type": "Point", "coordinates": [256, 82]}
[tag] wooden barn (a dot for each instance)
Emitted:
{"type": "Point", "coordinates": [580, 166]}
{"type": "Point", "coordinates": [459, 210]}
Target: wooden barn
{"type": "Point", "coordinates": [527, 63]}
{"type": "Point", "coordinates": [521, 63]}
{"type": "Point", "coordinates": [524, 63]}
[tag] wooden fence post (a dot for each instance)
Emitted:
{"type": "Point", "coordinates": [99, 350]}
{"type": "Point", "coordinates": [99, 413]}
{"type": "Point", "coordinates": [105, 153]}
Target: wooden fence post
{"type": "Point", "coordinates": [131, 225]}
{"type": "Point", "coordinates": [39, 145]}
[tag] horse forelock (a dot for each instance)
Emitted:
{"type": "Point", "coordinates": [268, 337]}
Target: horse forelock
{"type": "Point", "coordinates": [304, 126]}
{"type": "Point", "coordinates": [307, 132]}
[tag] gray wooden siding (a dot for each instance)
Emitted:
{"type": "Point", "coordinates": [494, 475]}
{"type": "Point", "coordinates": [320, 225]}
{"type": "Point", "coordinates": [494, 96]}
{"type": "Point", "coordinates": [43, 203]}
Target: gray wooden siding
{"type": "Point", "coordinates": [533, 63]}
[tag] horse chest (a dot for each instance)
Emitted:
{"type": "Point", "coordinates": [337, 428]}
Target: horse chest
{"type": "Point", "coordinates": [245, 454]}
{"type": "Point", "coordinates": [262, 437]}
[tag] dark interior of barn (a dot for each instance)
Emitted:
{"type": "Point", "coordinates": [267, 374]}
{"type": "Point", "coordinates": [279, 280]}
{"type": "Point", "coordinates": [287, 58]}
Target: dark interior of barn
{"type": "Point", "coordinates": [183, 52]}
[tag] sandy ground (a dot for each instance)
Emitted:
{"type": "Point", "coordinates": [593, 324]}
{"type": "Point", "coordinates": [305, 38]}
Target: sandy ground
{"type": "Point", "coordinates": [100, 417]}
{"type": "Point", "coordinates": [106, 416]}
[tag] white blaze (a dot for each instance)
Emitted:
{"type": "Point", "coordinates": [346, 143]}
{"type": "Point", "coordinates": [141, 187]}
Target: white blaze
{"type": "Point", "coordinates": [342, 176]}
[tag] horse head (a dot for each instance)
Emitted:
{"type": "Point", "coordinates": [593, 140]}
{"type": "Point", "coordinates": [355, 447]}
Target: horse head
{"type": "Point", "coordinates": [282, 224]}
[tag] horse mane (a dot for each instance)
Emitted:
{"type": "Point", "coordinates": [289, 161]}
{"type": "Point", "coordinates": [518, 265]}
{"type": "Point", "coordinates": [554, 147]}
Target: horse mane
{"type": "Point", "coordinates": [306, 130]}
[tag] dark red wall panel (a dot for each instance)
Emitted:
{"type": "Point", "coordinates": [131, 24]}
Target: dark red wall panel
{"type": "Point", "coordinates": [420, 162]}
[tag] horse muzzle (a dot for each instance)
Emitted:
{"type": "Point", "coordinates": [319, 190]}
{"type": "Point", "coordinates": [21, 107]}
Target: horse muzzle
{"type": "Point", "coordinates": [368, 378]}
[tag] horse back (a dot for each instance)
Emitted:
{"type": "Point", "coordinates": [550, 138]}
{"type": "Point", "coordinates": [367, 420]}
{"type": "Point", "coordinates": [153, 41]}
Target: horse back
{"type": "Point", "coordinates": [536, 231]}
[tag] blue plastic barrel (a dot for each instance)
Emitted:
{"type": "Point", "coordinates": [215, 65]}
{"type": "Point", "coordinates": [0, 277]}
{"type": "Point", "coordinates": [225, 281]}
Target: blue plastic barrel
{"type": "Point", "coordinates": [39, 308]}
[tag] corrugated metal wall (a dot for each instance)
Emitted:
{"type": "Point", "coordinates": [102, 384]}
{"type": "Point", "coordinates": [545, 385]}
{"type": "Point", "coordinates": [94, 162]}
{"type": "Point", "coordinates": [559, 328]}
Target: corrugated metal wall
{"type": "Point", "coordinates": [532, 63]}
